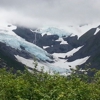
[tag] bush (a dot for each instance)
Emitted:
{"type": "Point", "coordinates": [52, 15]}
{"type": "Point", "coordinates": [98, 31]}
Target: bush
{"type": "Point", "coordinates": [42, 86]}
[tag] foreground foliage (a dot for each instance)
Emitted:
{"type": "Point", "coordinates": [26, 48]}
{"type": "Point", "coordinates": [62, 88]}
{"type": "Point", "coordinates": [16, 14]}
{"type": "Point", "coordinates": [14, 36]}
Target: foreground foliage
{"type": "Point", "coordinates": [42, 86]}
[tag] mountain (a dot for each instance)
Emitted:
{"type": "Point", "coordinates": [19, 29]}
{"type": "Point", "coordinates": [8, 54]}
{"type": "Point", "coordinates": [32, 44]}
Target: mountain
{"type": "Point", "coordinates": [55, 48]}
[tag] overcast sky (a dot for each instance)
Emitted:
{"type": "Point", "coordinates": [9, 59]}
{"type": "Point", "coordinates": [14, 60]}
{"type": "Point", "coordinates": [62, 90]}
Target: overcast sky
{"type": "Point", "coordinates": [35, 13]}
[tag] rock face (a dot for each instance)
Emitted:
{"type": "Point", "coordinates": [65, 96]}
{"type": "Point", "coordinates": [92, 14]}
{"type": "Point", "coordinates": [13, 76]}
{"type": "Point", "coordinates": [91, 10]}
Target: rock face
{"type": "Point", "coordinates": [91, 47]}
{"type": "Point", "coordinates": [7, 58]}
{"type": "Point", "coordinates": [27, 34]}
{"type": "Point", "coordinates": [75, 42]}
{"type": "Point", "coordinates": [72, 40]}
{"type": "Point", "coordinates": [60, 48]}
{"type": "Point", "coordinates": [45, 40]}
{"type": "Point", "coordinates": [85, 37]}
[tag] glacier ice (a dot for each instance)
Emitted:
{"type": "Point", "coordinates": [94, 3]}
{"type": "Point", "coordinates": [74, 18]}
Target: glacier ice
{"type": "Point", "coordinates": [53, 31]}
{"type": "Point", "coordinates": [16, 42]}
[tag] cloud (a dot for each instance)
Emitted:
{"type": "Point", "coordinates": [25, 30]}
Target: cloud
{"type": "Point", "coordinates": [36, 13]}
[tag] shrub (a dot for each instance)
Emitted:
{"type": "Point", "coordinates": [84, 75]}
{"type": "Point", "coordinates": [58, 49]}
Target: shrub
{"type": "Point", "coordinates": [42, 86]}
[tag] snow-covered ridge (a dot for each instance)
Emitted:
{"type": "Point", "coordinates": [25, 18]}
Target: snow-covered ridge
{"type": "Point", "coordinates": [53, 31]}
{"type": "Point", "coordinates": [67, 30]}
{"type": "Point", "coordinates": [79, 31]}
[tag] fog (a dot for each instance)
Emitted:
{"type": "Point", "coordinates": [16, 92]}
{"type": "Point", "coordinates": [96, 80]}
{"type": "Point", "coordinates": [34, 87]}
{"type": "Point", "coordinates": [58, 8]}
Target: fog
{"type": "Point", "coordinates": [37, 13]}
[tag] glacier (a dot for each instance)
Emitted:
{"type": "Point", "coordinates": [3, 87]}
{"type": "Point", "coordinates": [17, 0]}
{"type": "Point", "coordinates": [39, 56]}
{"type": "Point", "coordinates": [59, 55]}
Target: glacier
{"type": "Point", "coordinates": [8, 37]}
{"type": "Point", "coordinates": [67, 30]}
{"type": "Point", "coordinates": [53, 31]}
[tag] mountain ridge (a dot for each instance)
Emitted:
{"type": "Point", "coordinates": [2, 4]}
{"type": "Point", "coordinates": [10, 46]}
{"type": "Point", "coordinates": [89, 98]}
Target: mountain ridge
{"type": "Point", "coordinates": [53, 49]}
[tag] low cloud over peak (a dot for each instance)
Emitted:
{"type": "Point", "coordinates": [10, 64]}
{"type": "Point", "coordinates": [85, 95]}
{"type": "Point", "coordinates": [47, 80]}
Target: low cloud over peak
{"type": "Point", "coordinates": [36, 13]}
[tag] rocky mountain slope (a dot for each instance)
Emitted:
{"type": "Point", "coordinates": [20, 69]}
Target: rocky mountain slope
{"type": "Point", "coordinates": [54, 48]}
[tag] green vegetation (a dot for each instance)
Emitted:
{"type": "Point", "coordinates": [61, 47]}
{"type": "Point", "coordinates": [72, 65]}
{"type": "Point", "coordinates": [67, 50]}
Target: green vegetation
{"type": "Point", "coordinates": [42, 86]}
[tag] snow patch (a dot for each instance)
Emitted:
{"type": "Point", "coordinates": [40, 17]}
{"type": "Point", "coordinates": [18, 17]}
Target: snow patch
{"type": "Point", "coordinates": [62, 41]}
{"type": "Point", "coordinates": [46, 66]}
{"type": "Point", "coordinates": [44, 47]}
{"type": "Point", "coordinates": [30, 63]}
{"type": "Point", "coordinates": [61, 65]}
{"type": "Point", "coordinates": [97, 30]}
{"type": "Point", "coordinates": [64, 64]}
{"type": "Point", "coordinates": [68, 54]}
